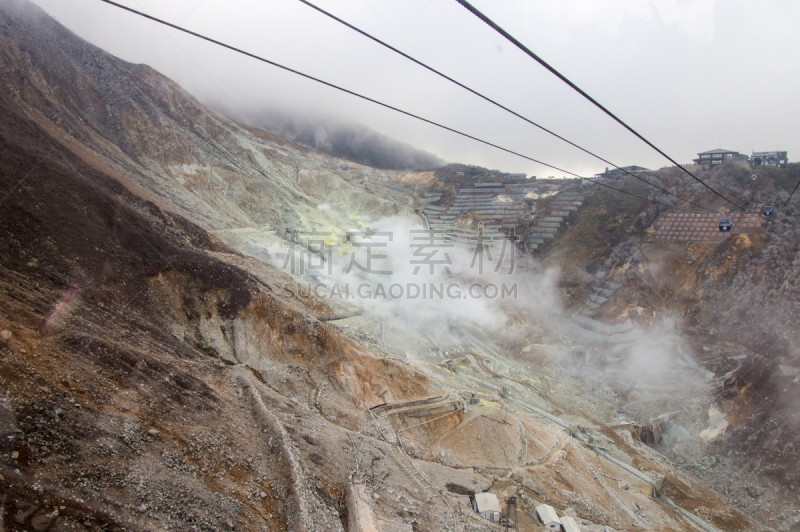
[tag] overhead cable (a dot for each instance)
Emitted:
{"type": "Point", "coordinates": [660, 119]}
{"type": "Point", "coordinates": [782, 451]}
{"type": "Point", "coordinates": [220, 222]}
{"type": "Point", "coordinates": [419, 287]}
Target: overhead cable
{"type": "Point", "coordinates": [580, 91]}
{"type": "Point", "coordinates": [792, 194]}
{"type": "Point", "coordinates": [596, 182]}
{"type": "Point", "coordinates": [331, 85]}
{"type": "Point", "coordinates": [367, 98]}
{"type": "Point", "coordinates": [486, 98]}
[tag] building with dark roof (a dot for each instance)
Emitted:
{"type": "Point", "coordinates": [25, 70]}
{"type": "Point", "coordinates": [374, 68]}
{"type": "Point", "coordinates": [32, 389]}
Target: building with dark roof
{"type": "Point", "coordinates": [719, 156]}
{"type": "Point", "coordinates": [618, 175]}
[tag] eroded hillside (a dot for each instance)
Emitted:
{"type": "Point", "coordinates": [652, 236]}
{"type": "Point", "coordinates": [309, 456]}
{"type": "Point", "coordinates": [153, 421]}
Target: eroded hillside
{"type": "Point", "coordinates": [732, 302]}
{"type": "Point", "coordinates": [157, 374]}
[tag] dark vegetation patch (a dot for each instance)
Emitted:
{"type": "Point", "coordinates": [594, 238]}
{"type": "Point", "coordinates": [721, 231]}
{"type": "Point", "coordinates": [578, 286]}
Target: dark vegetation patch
{"type": "Point", "coordinates": [458, 489]}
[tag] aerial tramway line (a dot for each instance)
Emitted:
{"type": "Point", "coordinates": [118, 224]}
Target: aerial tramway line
{"type": "Point", "coordinates": [724, 226]}
{"type": "Point", "coordinates": [725, 223]}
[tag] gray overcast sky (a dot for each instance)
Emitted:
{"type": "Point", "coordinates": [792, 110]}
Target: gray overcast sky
{"type": "Point", "coordinates": [690, 75]}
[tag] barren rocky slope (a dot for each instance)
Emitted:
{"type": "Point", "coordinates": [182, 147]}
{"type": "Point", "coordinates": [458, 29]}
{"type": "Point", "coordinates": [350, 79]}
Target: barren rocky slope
{"type": "Point", "coordinates": [736, 304]}
{"type": "Point", "coordinates": [156, 376]}
{"type": "Point", "coordinates": [130, 121]}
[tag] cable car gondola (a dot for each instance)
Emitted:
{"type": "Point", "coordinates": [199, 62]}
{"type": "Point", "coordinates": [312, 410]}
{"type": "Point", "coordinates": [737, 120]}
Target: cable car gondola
{"type": "Point", "coordinates": [725, 225]}
{"type": "Point", "coordinates": [768, 210]}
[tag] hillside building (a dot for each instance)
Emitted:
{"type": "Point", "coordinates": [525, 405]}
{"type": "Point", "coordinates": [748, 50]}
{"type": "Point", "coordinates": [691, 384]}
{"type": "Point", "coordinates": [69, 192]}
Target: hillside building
{"type": "Point", "coordinates": [618, 175]}
{"type": "Point", "coordinates": [769, 158]}
{"type": "Point", "coordinates": [569, 524]}
{"type": "Point", "coordinates": [547, 514]}
{"type": "Point", "coordinates": [487, 505]}
{"type": "Point", "coordinates": [719, 156]}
